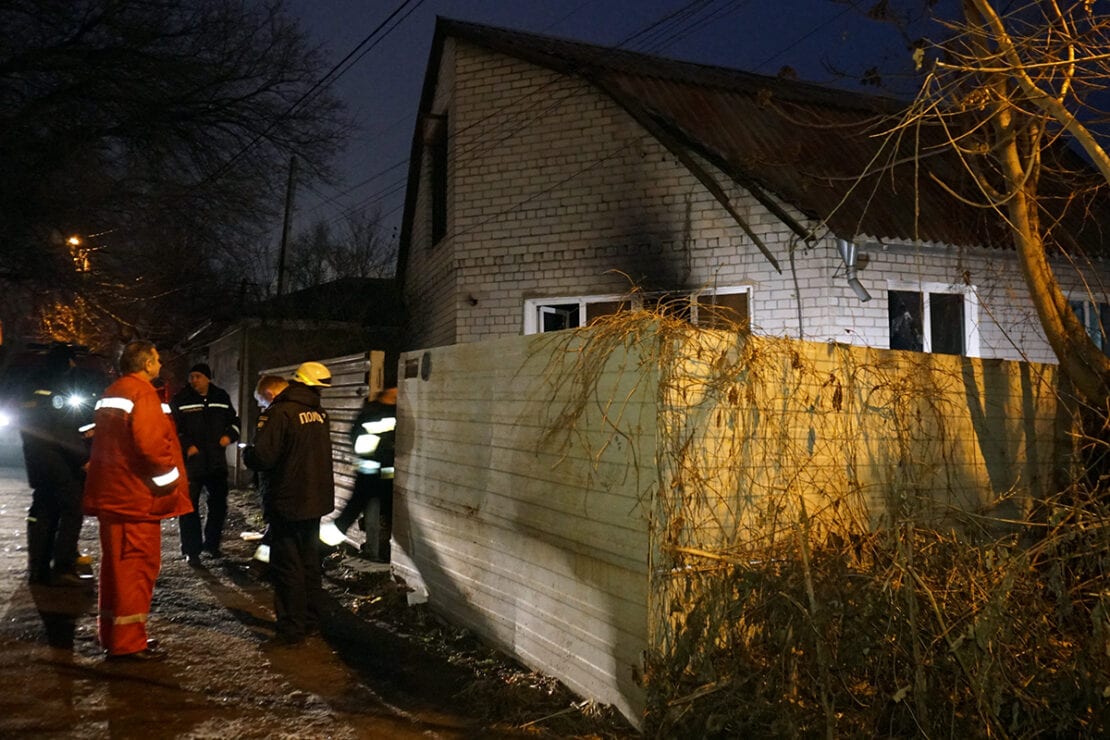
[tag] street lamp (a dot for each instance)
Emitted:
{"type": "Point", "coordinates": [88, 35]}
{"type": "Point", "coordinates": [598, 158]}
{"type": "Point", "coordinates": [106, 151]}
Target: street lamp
{"type": "Point", "coordinates": [80, 255]}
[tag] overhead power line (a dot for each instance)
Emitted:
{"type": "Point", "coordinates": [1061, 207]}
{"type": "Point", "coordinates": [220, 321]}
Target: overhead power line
{"type": "Point", "coordinates": [663, 24]}
{"type": "Point", "coordinates": [330, 77]}
{"type": "Point", "coordinates": [652, 38]}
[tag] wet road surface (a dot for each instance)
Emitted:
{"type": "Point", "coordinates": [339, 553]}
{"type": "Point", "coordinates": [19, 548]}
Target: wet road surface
{"type": "Point", "coordinates": [357, 680]}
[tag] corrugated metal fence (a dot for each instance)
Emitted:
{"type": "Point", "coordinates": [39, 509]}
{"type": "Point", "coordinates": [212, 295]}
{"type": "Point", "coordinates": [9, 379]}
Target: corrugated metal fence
{"type": "Point", "coordinates": [354, 379]}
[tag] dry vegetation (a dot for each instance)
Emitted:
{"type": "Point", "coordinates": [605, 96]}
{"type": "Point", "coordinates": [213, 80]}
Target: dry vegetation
{"type": "Point", "coordinates": [790, 602]}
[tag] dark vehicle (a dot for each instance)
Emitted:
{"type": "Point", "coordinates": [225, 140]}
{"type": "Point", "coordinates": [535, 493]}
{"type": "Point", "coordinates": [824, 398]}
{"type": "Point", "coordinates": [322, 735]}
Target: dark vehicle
{"type": "Point", "coordinates": [22, 371]}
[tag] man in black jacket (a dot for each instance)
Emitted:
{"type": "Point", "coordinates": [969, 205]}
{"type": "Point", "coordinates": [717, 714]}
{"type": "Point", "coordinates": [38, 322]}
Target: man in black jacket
{"type": "Point", "coordinates": [292, 454]}
{"type": "Point", "coordinates": [206, 424]}
{"type": "Point", "coordinates": [56, 415]}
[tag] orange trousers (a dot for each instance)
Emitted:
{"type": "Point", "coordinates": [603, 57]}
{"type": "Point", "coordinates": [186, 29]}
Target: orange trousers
{"type": "Point", "coordinates": [130, 558]}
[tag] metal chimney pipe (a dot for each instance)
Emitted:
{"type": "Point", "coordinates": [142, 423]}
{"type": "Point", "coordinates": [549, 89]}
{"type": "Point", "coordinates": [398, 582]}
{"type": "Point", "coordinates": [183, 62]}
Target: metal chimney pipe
{"type": "Point", "coordinates": [847, 251]}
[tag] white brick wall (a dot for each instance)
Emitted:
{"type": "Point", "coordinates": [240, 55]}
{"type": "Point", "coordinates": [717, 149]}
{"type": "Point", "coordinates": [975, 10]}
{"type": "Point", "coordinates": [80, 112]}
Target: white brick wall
{"type": "Point", "coordinates": [555, 191]}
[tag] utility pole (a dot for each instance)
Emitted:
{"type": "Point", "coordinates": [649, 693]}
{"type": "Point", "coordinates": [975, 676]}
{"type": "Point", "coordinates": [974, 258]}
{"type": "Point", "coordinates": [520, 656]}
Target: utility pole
{"type": "Point", "coordinates": [285, 226]}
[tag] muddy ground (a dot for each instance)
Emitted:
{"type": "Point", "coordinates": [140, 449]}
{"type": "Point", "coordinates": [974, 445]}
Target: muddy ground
{"type": "Point", "coordinates": [378, 669]}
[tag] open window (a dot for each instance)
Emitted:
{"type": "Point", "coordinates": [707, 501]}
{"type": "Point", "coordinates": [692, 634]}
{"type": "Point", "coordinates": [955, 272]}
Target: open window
{"type": "Point", "coordinates": [933, 317]}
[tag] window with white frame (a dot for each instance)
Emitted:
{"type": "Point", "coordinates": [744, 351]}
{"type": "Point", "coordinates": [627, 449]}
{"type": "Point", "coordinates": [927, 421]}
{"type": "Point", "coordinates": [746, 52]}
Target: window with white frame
{"type": "Point", "coordinates": [934, 317]}
{"type": "Point", "coordinates": [714, 309]}
{"type": "Point", "coordinates": [542, 315]}
{"type": "Point", "coordinates": [722, 308]}
{"type": "Point", "coordinates": [1095, 318]}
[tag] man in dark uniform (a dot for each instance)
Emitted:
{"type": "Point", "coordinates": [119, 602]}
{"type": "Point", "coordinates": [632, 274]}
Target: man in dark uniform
{"type": "Point", "coordinates": [292, 454]}
{"type": "Point", "coordinates": [372, 437]}
{"type": "Point", "coordinates": [56, 417]}
{"type": "Point", "coordinates": [206, 424]}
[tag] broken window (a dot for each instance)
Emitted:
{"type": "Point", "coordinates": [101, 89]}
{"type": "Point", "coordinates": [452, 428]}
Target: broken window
{"type": "Point", "coordinates": [724, 308]}
{"type": "Point", "coordinates": [935, 320]}
{"type": "Point", "coordinates": [1095, 318]}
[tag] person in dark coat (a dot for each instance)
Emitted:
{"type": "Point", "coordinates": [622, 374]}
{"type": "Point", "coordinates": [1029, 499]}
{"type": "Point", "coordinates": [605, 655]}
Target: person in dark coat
{"type": "Point", "coordinates": [372, 436]}
{"type": "Point", "coordinates": [292, 454]}
{"type": "Point", "coordinates": [57, 416]}
{"type": "Point", "coordinates": [206, 424]}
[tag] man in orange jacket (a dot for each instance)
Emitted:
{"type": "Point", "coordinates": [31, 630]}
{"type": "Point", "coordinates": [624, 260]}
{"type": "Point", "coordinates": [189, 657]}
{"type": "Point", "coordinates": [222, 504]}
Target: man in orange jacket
{"type": "Point", "coordinates": [136, 478]}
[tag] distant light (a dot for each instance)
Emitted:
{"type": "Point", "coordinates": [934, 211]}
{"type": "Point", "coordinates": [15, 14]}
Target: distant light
{"type": "Point", "coordinates": [74, 241]}
{"type": "Point", "coordinates": [5, 419]}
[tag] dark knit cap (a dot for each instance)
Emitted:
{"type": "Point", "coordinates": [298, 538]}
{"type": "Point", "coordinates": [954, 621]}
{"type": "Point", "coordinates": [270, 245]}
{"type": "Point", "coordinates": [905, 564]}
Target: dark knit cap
{"type": "Point", "coordinates": [203, 369]}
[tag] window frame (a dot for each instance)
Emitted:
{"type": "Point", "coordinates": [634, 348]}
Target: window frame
{"type": "Point", "coordinates": [533, 306]}
{"type": "Point", "coordinates": [725, 290]}
{"type": "Point", "coordinates": [1092, 319]}
{"type": "Point", "coordinates": [971, 337]}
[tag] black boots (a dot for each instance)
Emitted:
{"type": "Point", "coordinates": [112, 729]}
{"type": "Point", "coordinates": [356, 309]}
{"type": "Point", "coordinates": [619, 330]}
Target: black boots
{"type": "Point", "coordinates": [40, 547]}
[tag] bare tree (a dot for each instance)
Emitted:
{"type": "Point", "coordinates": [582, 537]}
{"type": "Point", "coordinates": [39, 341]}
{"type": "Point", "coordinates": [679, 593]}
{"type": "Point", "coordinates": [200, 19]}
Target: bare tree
{"type": "Point", "coordinates": [1016, 94]}
{"type": "Point", "coordinates": [151, 129]}
{"type": "Point", "coordinates": [357, 249]}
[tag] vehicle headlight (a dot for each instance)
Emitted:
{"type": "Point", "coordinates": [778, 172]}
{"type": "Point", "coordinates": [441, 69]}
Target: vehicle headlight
{"type": "Point", "coordinates": [6, 419]}
{"type": "Point", "coordinates": [75, 400]}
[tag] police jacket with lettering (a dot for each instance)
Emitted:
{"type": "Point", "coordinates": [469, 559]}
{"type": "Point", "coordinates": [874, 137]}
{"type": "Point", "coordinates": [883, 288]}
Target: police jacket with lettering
{"type": "Point", "coordinates": [201, 421]}
{"type": "Point", "coordinates": [292, 454]}
{"type": "Point", "coordinates": [135, 468]}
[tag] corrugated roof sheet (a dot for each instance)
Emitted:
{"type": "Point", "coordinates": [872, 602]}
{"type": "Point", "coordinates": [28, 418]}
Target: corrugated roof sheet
{"type": "Point", "coordinates": [819, 149]}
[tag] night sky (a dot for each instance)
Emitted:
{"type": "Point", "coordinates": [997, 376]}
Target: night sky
{"type": "Point", "coordinates": [382, 90]}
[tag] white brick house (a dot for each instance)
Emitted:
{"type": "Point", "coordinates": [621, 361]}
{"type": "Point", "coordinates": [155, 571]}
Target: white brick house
{"type": "Point", "coordinates": [550, 178]}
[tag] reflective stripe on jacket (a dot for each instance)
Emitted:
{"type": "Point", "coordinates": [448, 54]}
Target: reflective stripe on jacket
{"type": "Point", "coordinates": [201, 421]}
{"type": "Point", "coordinates": [136, 472]}
{"type": "Point", "coordinates": [373, 436]}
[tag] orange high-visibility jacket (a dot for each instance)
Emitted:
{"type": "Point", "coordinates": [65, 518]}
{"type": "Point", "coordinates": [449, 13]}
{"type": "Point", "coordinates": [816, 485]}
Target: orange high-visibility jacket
{"type": "Point", "coordinates": [136, 471]}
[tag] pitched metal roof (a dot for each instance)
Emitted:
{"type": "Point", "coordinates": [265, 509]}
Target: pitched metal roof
{"type": "Point", "coordinates": [821, 150]}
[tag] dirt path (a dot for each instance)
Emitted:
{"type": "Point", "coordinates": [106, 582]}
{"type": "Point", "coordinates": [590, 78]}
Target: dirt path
{"type": "Point", "coordinates": [373, 672]}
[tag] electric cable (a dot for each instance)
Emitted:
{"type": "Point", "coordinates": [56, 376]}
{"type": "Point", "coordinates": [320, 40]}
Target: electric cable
{"type": "Point", "coordinates": [519, 122]}
{"type": "Point", "coordinates": [307, 95]}
{"type": "Point", "coordinates": [659, 34]}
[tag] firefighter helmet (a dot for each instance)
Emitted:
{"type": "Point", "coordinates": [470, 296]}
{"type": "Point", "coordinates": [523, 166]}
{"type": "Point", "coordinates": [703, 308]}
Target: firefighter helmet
{"type": "Point", "coordinates": [313, 373]}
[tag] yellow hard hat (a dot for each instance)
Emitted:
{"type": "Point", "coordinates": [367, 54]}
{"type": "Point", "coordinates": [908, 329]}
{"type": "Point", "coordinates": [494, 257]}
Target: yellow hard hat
{"type": "Point", "coordinates": [313, 373]}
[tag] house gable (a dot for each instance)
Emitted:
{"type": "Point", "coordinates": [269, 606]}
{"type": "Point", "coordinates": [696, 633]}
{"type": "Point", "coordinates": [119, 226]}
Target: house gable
{"type": "Point", "coordinates": [574, 183]}
{"type": "Point", "coordinates": [556, 191]}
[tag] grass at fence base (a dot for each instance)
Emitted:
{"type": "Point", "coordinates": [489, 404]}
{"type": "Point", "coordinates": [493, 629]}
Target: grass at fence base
{"type": "Point", "coordinates": [904, 634]}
